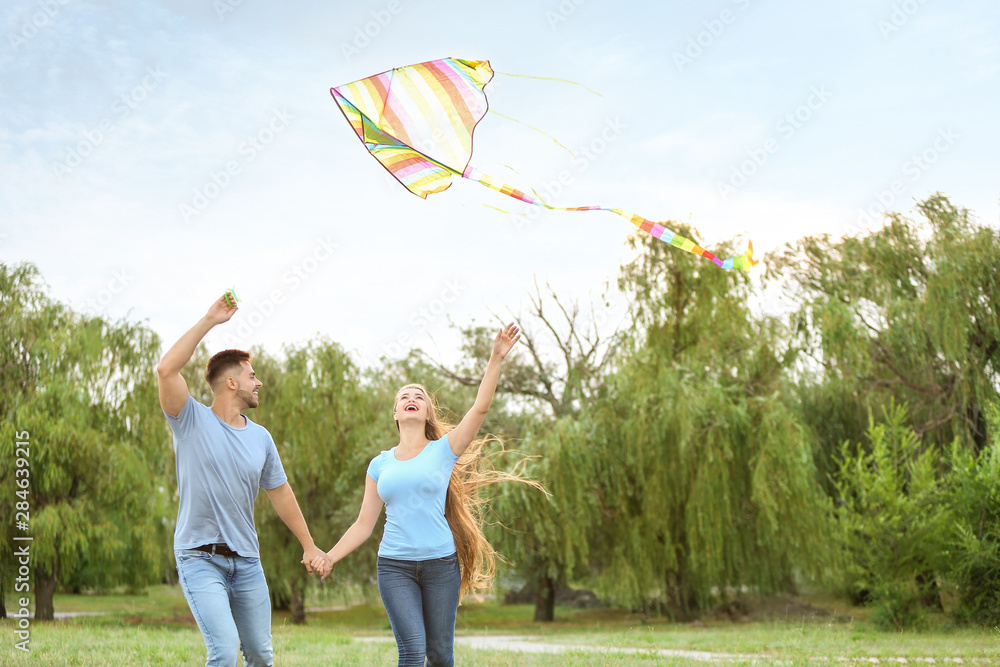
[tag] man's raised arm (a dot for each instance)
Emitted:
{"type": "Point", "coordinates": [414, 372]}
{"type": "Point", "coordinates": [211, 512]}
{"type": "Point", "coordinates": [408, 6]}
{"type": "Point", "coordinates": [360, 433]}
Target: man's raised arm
{"type": "Point", "coordinates": [173, 388]}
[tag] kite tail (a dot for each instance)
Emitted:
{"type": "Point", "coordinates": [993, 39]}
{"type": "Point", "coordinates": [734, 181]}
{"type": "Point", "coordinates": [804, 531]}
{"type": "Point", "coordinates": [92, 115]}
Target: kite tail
{"type": "Point", "coordinates": [655, 229]}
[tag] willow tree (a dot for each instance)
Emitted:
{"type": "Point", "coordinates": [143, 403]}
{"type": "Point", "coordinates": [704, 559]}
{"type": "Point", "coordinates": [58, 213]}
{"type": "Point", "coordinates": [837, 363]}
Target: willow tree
{"type": "Point", "coordinates": [546, 389]}
{"type": "Point", "coordinates": [80, 387]}
{"type": "Point", "coordinates": [327, 425]}
{"type": "Point", "coordinates": [546, 538]}
{"type": "Point", "coordinates": [907, 315]}
{"type": "Point", "coordinates": [708, 482]}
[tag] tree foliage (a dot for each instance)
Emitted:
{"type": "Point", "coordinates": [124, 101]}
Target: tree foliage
{"type": "Point", "coordinates": [80, 386]}
{"type": "Point", "coordinates": [970, 556]}
{"type": "Point", "coordinates": [546, 538]}
{"type": "Point", "coordinates": [327, 426]}
{"type": "Point", "coordinates": [686, 455]}
{"type": "Point", "coordinates": [892, 521]}
{"type": "Point", "coordinates": [708, 482]}
{"type": "Point", "coordinates": [907, 315]}
{"type": "Point", "coordinates": [556, 376]}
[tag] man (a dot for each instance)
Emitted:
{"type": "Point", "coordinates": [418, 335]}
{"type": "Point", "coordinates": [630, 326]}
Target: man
{"type": "Point", "coordinates": [223, 459]}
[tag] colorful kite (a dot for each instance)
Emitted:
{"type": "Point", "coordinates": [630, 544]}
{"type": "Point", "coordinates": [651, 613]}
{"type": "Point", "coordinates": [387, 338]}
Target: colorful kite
{"type": "Point", "coordinates": [418, 122]}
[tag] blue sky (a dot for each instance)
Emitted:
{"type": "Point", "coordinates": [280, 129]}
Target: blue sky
{"type": "Point", "coordinates": [154, 153]}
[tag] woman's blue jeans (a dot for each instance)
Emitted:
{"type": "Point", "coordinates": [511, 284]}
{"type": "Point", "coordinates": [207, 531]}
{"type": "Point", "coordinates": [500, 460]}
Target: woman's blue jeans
{"type": "Point", "coordinates": [229, 600]}
{"type": "Point", "coordinates": [421, 598]}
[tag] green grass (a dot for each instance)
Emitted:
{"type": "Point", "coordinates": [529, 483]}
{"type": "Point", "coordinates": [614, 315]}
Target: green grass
{"type": "Point", "coordinates": [156, 628]}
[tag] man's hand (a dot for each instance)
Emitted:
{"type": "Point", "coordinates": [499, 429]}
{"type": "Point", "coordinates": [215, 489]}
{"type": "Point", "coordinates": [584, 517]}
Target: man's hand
{"type": "Point", "coordinates": [173, 390]}
{"type": "Point", "coordinates": [221, 310]}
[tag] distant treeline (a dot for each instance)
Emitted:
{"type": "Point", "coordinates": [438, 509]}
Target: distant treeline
{"type": "Point", "coordinates": [828, 419]}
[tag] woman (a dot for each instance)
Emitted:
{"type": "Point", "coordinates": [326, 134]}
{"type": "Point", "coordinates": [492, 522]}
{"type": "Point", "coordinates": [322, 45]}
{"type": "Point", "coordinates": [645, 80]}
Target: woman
{"type": "Point", "coordinates": [433, 549]}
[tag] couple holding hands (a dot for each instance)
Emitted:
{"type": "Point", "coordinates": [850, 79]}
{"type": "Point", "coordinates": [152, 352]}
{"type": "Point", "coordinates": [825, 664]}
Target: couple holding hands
{"type": "Point", "coordinates": [432, 551]}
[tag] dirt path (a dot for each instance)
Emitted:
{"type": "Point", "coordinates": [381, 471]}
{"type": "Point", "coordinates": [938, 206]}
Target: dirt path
{"type": "Point", "coordinates": [529, 644]}
{"type": "Point", "coordinates": [538, 645]}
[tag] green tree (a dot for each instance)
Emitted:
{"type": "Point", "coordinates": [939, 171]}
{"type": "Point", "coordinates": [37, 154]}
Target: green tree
{"type": "Point", "coordinates": [546, 538]}
{"type": "Point", "coordinates": [907, 314]}
{"type": "Point", "coordinates": [892, 519]}
{"type": "Point", "coordinates": [971, 551]}
{"type": "Point", "coordinates": [79, 386]}
{"type": "Point", "coordinates": [554, 378]}
{"type": "Point", "coordinates": [327, 425]}
{"type": "Point", "coordinates": [708, 483]}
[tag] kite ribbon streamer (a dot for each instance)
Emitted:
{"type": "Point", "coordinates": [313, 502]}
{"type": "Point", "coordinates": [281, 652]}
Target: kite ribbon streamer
{"type": "Point", "coordinates": [417, 121]}
{"type": "Point", "coordinates": [654, 229]}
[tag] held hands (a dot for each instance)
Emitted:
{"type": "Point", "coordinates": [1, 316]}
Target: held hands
{"type": "Point", "coordinates": [317, 561]}
{"type": "Point", "coordinates": [321, 565]}
{"type": "Point", "coordinates": [506, 338]}
{"type": "Point", "coordinates": [222, 309]}
{"type": "Point", "coordinates": [311, 556]}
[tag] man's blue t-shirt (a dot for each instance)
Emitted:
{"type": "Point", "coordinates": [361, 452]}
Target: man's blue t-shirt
{"type": "Point", "coordinates": [414, 493]}
{"type": "Point", "coordinates": [220, 469]}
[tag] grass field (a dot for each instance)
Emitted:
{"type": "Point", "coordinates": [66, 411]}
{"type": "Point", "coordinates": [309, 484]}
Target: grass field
{"type": "Point", "coordinates": [156, 629]}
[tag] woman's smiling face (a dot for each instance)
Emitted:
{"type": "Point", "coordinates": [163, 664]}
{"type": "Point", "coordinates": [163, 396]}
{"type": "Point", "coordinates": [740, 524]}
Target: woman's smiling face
{"type": "Point", "coordinates": [411, 404]}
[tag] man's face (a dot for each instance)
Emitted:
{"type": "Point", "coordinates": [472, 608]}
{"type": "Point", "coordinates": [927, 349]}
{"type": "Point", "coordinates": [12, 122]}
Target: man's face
{"type": "Point", "coordinates": [248, 384]}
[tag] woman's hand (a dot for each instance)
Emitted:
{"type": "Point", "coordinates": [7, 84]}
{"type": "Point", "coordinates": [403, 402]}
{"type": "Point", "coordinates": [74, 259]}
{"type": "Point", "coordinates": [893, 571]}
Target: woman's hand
{"type": "Point", "coordinates": [322, 565]}
{"type": "Point", "coordinates": [506, 338]}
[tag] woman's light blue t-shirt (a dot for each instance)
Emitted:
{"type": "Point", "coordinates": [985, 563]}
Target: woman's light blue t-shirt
{"type": "Point", "coordinates": [414, 493]}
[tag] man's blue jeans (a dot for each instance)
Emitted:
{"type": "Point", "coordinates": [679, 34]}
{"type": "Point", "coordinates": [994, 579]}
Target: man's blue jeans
{"type": "Point", "coordinates": [421, 598]}
{"type": "Point", "coordinates": [229, 600]}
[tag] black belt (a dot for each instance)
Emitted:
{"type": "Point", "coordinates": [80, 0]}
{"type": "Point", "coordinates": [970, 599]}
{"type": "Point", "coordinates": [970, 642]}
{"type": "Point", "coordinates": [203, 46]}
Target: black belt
{"type": "Point", "coordinates": [220, 549]}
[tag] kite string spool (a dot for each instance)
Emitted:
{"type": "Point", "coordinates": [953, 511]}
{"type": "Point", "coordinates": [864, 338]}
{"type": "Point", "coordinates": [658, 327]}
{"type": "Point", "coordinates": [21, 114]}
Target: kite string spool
{"type": "Point", "coordinates": [235, 299]}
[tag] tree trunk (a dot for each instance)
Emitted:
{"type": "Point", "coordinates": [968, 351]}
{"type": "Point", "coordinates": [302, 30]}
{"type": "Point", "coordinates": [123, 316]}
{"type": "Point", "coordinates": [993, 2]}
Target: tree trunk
{"type": "Point", "coordinates": [279, 601]}
{"type": "Point", "coordinates": [680, 601]}
{"type": "Point", "coordinates": [545, 599]}
{"type": "Point", "coordinates": [788, 584]}
{"type": "Point", "coordinates": [930, 596]}
{"type": "Point", "coordinates": [45, 588]}
{"type": "Point", "coordinates": [297, 603]}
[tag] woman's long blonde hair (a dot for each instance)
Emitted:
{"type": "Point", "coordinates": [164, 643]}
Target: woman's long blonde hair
{"type": "Point", "coordinates": [464, 505]}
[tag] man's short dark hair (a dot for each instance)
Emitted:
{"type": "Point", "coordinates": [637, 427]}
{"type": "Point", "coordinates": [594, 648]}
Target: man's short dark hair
{"type": "Point", "coordinates": [224, 363]}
